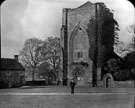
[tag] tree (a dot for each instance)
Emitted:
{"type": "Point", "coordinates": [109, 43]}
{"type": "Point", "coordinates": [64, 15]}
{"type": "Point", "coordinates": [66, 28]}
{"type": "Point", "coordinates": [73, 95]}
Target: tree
{"type": "Point", "coordinates": [92, 33]}
{"type": "Point", "coordinates": [43, 69]}
{"type": "Point", "coordinates": [116, 29]}
{"type": "Point", "coordinates": [103, 33]}
{"type": "Point", "coordinates": [30, 54]}
{"type": "Point", "coordinates": [123, 48]}
{"type": "Point", "coordinates": [51, 52]}
{"type": "Point", "coordinates": [119, 68]}
{"type": "Point", "coordinates": [112, 65]}
{"type": "Point", "coordinates": [131, 30]}
{"type": "Point", "coordinates": [130, 59]}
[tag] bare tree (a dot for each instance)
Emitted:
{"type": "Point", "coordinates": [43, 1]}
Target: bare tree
{"type": "Point", "coordinates": [30, 54]}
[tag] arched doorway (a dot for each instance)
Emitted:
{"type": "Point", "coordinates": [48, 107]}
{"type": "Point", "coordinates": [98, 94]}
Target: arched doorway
{"type": "Point", "coordinates": [79, 76]}
{"type": "Point", "coordinates": [108, 80]}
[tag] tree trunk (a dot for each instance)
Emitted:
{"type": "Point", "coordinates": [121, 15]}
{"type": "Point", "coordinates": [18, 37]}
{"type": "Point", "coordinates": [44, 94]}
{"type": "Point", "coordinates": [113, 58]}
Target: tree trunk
{"type": "Point", "coordinates": [33, 75]}
{"type": "Point", "coordinates": [94, 74]}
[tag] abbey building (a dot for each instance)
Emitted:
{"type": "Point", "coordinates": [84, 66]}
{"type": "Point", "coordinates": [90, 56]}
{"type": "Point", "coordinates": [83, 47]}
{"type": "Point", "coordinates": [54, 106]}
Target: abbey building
{"type": "Point", "coordinates": [84, 32]}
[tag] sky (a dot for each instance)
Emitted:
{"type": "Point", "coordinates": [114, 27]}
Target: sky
{"type": "Point", "coordinates": [23, 19]}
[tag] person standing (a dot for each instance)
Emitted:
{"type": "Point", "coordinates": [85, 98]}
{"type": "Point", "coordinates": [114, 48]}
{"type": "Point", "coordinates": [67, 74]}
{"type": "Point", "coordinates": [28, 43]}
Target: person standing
{"type": "Point", "coordinates": [72, 85]}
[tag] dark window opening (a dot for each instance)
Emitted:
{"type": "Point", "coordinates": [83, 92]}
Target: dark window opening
{"type": "Point", "coordinates": [80, 54]}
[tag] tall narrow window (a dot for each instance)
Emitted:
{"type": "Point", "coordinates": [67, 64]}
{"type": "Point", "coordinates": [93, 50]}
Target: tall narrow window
{"type": "Point", "coordinates": [80, 54]}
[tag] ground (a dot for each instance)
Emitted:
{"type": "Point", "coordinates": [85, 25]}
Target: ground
{"type": "Point", "coordinates": [60, 97]}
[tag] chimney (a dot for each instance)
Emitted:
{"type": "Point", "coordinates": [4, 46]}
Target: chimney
{"type": "Point", "coordinates": [16, 57]}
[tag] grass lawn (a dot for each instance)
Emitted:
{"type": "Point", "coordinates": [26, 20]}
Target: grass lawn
{"type": "Point", "coordinates": [68, 101]}
{"type": "Point", "coordinates": [96, 98]}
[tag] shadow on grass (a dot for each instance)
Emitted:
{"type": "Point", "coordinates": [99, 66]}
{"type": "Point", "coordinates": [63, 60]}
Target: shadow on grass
{"type": "Point", "coordinates": [33, 87]}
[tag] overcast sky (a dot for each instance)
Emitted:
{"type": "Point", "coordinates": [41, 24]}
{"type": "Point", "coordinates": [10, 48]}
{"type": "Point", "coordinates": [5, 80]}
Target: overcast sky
{"type": "Point", "coordinates": [23, 19]}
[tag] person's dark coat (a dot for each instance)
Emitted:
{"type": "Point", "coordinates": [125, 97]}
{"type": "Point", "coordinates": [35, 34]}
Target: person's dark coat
{"type": "Point", "coordinates": [72, 84]}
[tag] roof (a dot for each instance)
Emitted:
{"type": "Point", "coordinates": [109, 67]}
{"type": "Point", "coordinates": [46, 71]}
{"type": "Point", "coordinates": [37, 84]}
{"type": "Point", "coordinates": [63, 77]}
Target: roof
{"type": "Point", "coordinates": [84, 6]}
{"type": "Point", "coordinates": [10, 64]}
{"type": "Point", "coordinates": [87, 4]}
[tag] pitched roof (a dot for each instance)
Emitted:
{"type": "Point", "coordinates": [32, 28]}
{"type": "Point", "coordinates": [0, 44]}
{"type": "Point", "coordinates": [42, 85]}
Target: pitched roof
{"type": "Point", "coordinates": [12, 64]}
{"type": "Point", "coordinates": [87, 4]}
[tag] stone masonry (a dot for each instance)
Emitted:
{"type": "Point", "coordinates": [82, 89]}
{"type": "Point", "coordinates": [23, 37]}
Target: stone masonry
{"type": "Point", "coordinates": [77, 41]}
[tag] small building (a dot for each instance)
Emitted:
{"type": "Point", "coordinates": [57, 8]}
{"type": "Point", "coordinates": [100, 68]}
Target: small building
{"type": "Point", "coordinates": [12, 73]}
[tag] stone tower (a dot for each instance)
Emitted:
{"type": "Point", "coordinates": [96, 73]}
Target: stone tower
{"type": "Point", "coordinates": [82, 42]}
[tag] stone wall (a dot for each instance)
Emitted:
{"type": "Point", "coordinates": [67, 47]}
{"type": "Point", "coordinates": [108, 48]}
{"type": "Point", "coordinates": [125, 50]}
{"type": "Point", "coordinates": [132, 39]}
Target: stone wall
{"type": "Point", "coordinates": [15, 77]}
{"type": "Point", "coordinates": [78, 19]}
{"type": "Point", "coordinates": [84, 25]}
{"type": "Point", "coordinates": [119, 84]}
{"type": "Point", "coordinates": [124, 84]}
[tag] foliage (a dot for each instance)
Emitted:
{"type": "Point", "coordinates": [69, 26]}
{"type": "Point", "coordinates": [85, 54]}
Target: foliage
{"type": "Point", "coordinates": [92, 37]}
{"type": "Point", "coordinates": [107, 32]}
{"type": "Point", "coordinates": [107, 28]}
{"type": "Point", "coordinates": [120, 48]}
{"type": "Point", "coordinates": [121, 75]}
{"type": "Point", "coordinates": [50, 50]}
{"type": "Point", "coordinates": [118, 69]}
{"type": "Point", "coordinates": [92, 33]}
{"type": "Point", "coordinates": [116, 29]}
{"type": "Point", "coordinates": [30, 55]}
{"type": "Point", "coordinates": [37, 54]}
{"type": "Point", "coordinates": [130, 59]}
{"type": "Point", "coordinates": [112, 65]}
{"type": "Point", "coordinates": [44, 69]}
{"type": "Point", "coordinates": [131, 30]}
{"type": "Point", "coordinates": [133, 43]}
{"type": "Point", "coordinates": [132, 75]}
{"type": "Point", "coordinates": [102, 31]}
{"type": "Point", "coordinates": [123, 48]}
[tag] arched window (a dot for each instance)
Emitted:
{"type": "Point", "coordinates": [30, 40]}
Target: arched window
{"type": "Point", "coordinates": [78, 45]}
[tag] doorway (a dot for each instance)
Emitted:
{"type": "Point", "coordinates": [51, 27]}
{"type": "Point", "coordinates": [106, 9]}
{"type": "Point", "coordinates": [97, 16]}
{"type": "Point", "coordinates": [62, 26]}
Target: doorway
{"type": "Point", "coordinates": [79, 75]}
{"type": "Point", "coordinates": [108, 80]}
